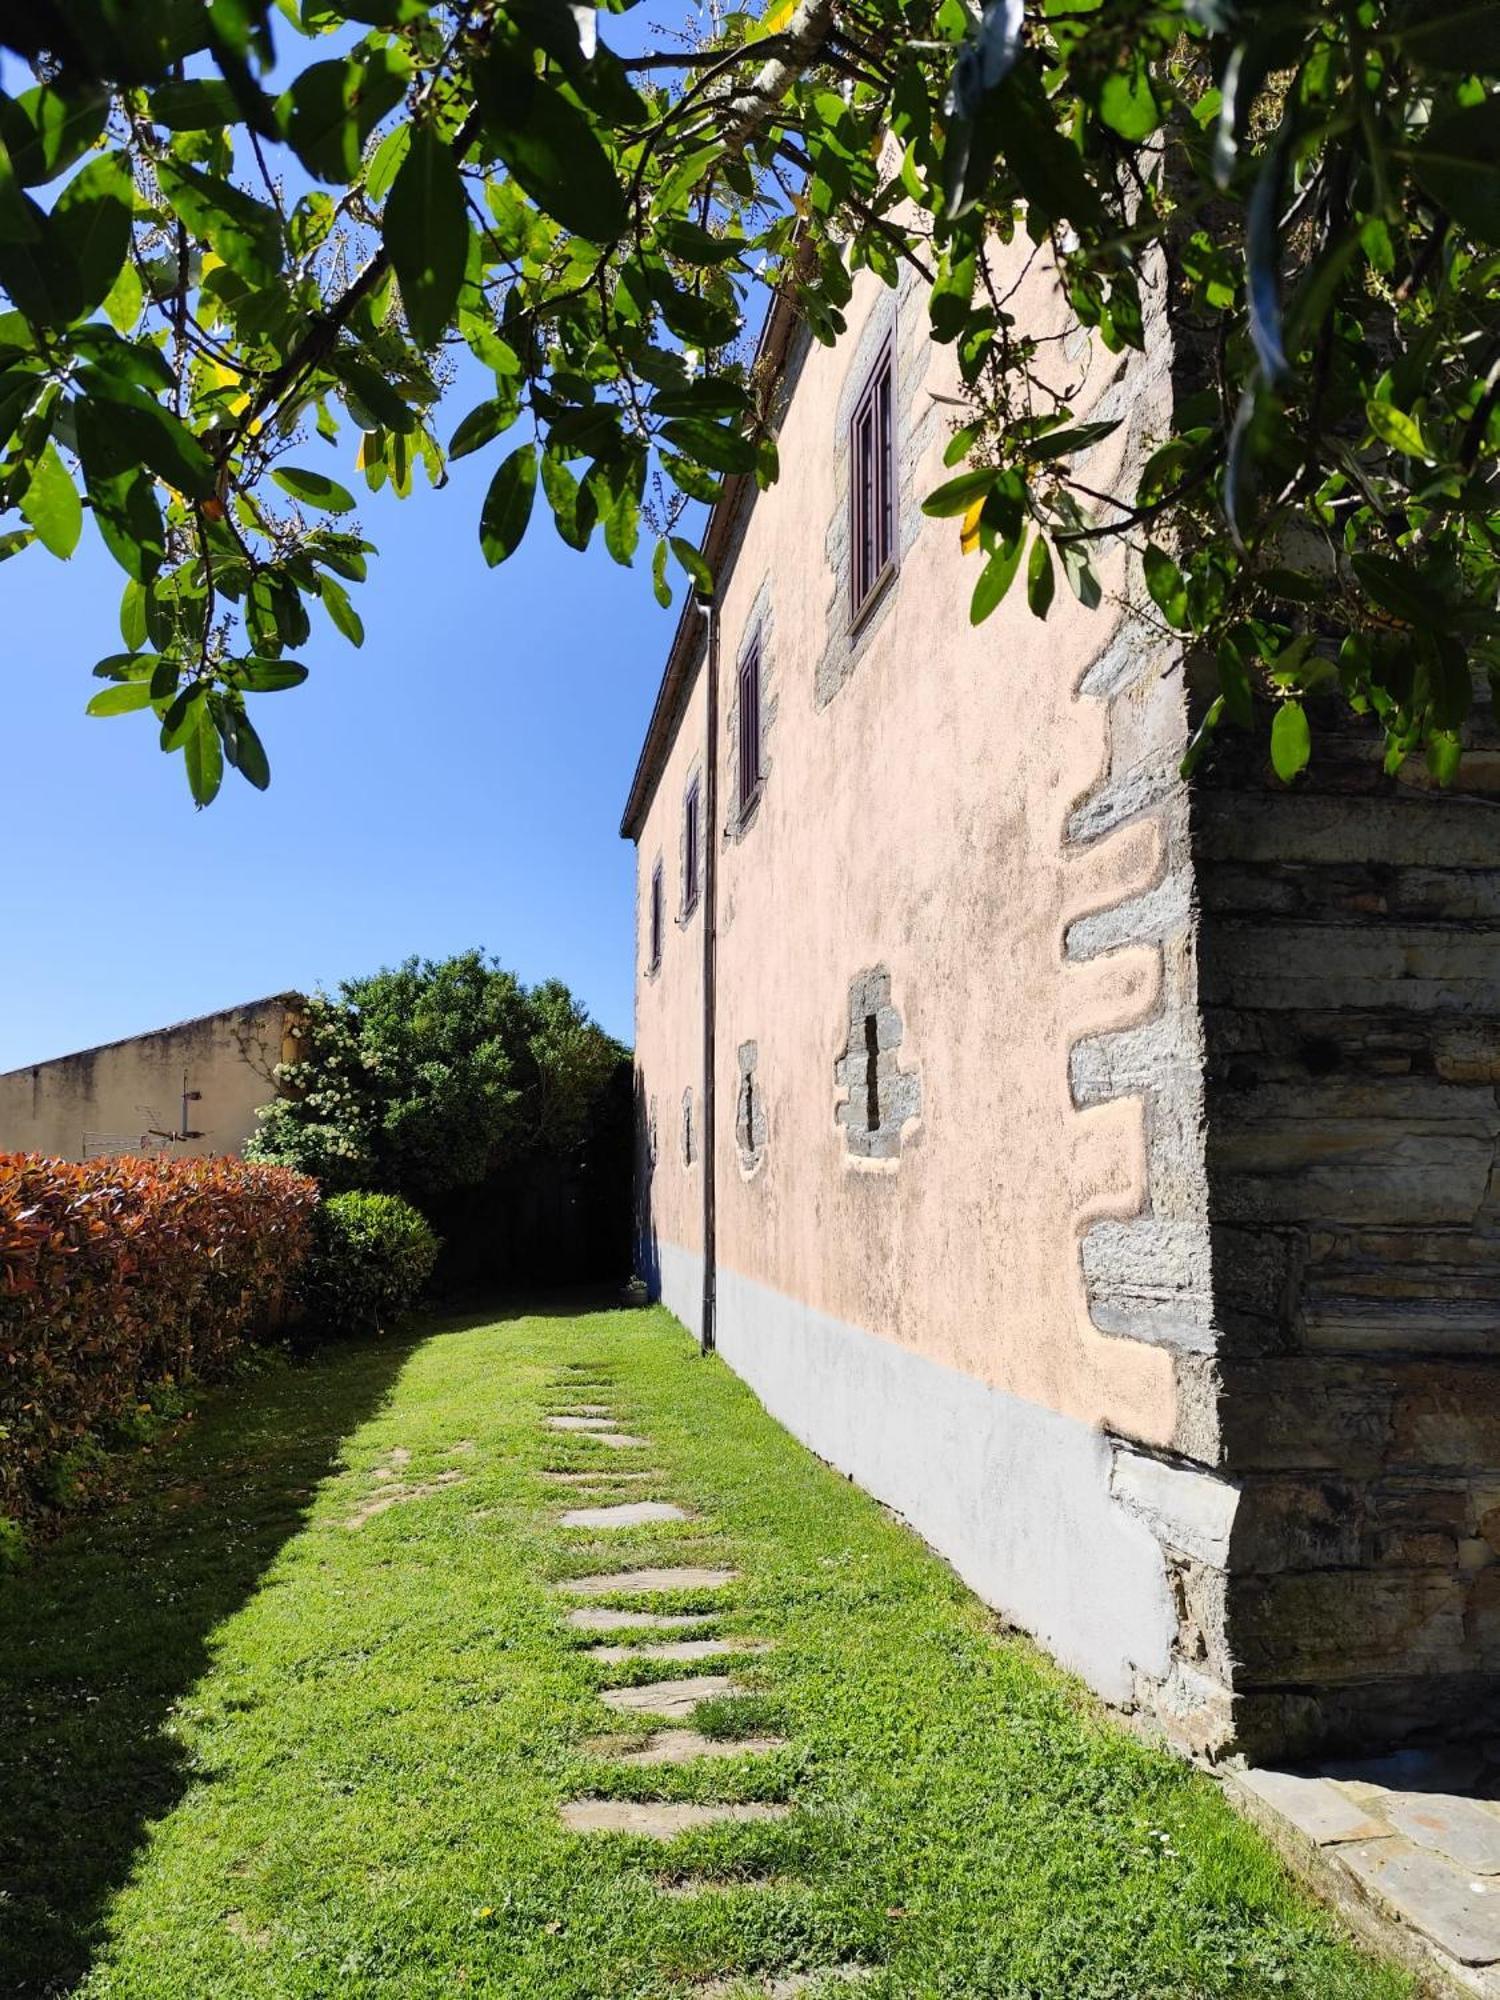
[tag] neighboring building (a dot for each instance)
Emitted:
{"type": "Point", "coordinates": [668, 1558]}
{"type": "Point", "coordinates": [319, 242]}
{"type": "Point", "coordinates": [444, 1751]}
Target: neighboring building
{"type": "Point", "coordinates": [189, 1089]}
{"type": "Point", "coordinates": [1097, 1166]}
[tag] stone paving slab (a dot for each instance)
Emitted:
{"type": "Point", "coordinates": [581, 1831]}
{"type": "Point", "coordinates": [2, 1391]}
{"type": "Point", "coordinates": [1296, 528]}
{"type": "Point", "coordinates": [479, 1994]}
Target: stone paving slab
{"type": "Point", "coordinates": [594, 1618]}
{"type": "Point", "coordinates": [1314, 1806]}
{"type": "Point", "coordinates": [688, 1577]}
{"type": "Point", "coordinates": [686, 1746]}
{"type": "Point", "coordinates": [586, 1410]}
{"type": "Point", "coordinates": [793, 1984]}
{"type": "Point", "coordinates": [581, 1423]}
{"type": "Point", "coordinates": [1457, 1911]}
{"type": "Point", "coordinates": [1463, 1829]}
{"type": "Point", "coordinates": [658, 1820]}
{"type": "Point", "coordinates": [625, 1514]}
{"type": "Point", "coordinates": [673, 1700]}
{"type": "Point", "coordinates": [675, 1649]}
{"type": "Point", "coordinates": [616, 1440]}
{"type": "Point", "coordinates": [600, 1475]}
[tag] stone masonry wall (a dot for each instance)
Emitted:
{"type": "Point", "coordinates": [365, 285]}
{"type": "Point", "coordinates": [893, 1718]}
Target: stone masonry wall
{"type": "Point", "coordinates": [1350, 993]}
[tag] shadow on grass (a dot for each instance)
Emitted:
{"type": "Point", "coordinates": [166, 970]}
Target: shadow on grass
{"type": "Point", "coordinates": [106, 1629]}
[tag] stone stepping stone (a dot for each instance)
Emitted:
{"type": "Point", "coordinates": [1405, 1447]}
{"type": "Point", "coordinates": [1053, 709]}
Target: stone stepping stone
{"type": "Point", "coordinates": [593, 1618]}
{"type": "Point", "coordinates": [686, 1746]}
{"type": "Point", "coordinates": [675, 1649]}
{"type": "Point", "coordinates": [745, 1986]}
{"type": "Point", "coordinates": [647, 1579]}
{"type": "Point", "coordinates": [616, 1440]}
{"type": "Point", "coordinates": [674, 1701]}
{"type": "Point", "coordinates": [627, 1514]}
{"type": "Point", "coordinates": [585, 1410]}
{"type": "Point", "coordinates": [657, 1820]}
{"type": "Point", "coordinates": [601, 1475]}
{"type": "Point", "coordinates": [563, 1423]}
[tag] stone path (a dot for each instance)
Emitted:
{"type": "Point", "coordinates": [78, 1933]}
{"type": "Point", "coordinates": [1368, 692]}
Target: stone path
{"type": "Point", "coordinates": [1408, 1845]}
{"type": "Point", "coordinates": [588, 1423]}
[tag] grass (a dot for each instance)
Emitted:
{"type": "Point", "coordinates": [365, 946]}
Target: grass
{"type": "Point", "coordinates": [251, 1750]}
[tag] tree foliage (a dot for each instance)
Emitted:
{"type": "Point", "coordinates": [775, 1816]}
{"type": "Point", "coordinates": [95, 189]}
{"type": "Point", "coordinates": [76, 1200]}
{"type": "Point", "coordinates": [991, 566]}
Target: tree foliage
{"type": "Point", "coordinates": [435, 1078]}
{"type": "Point", "coordinates": [230, 302]}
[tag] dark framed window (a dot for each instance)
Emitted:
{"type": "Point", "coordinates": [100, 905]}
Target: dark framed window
{"type": "Point", "coordinates": [749, 727]}
{"type": "Point", "coordinates": [692, 845]}
{"type": "Point", "coordinates": [656, 918]}
{"type": "Point", "coordinates": [872, 485]}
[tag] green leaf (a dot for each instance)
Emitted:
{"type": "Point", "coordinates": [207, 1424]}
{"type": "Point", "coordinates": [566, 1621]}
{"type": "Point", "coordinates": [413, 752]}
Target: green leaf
{"type": "Point", "coordinates": [1291, 740]}
{"type": "Point", "coordinates": [1397, 588]}
{"type": "Point", "coordinates": [51, 504]}
{"type": "Point", "coordinates": [574, 508]}
{"type": "Point", "coordinates": [46, 129]}
{"type": "Point", "coordinates": [125, 508]}
{"type": "Point", "coordinates": [1128, 105]}
{"type": "Point", "coordinates": [314, 489]}
{"type": "Point", "coordinates": [1464, 39]}
{"type": "Point", "coordinates": [661, 590]}
{"type": "Point", "coordinates": [203, 756]}
{"type": "Point", "coordinates": [507, 505]}
{"type": "Point", "coordinates": [1165, 582]}
{"type": "Point", "coordinates": [1395, 428]}
{"type": "Point", "coordinates": [91, 225]}
{"type": "Point", "coordinates": [345, 618]}
{"type": "Point", "coordinates": [376, 395]}
{"type": "Point", "coordinates": [551, 150]}
{"type": "Point", "coordinates": [995, 579]}
{"type": "Point", "coordinates": [956, 496]}
{"type": "Point", "coordinates": [1458, 164]}
{"type": "Point", "coordinates": [122, 700]}
{"type": "Point", "coordinates": [1444, 752]}
{"type": "Point", "coordinates": [385, 163]}
{"type": "Point", "coordinates": [124, 299]}
{"type": "Point", "coordinates": [196, 104]}
{"type": "Point", "coordinates": [244, 232]}
{"type": "Point", "coordinates": [259, 676]}
{"type": "Point", "coordinates": [1079, 571]}
{"type": "Point", "coordinates": [692, 561]}
{"type": "Point", "coordinates": [481, 425]}
{"type": "Point", "coordinates": [1078, 437]}
{"type": "Point", "coordinates": [1041, 579]}
{"type": "Point", "coordinates": [242, 745]}
{"type": "Point", "coordinates": [426, 231]}
{"type": "Point", "coordinates": [333, 107]}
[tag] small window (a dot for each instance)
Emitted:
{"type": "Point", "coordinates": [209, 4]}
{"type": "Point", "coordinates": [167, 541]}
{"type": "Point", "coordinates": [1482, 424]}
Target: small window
{"type": "Point", "coordinates": [691, 846]}
{"type": "Point", "coordinates": [872, 487]}
{"type": "Point", "coordinates": [749, 727]}
{"type": "Point", "coordinates": [656, 917]}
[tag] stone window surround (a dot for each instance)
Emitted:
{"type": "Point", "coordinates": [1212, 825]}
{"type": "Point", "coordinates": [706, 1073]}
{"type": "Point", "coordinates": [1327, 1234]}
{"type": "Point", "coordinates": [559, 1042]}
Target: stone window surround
{"type": "Point", "coordinates": [652, 966]}
{"type": "Point", "coordinates": [897, 321]}
{"type": "Point", "coordinates": [759, 636]}
{"type": "Point", "coordinates": [687, 910]}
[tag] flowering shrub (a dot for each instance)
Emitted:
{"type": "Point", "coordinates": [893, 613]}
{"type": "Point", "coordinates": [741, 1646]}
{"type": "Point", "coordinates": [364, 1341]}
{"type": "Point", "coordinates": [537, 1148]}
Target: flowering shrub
{"type": "Point", "coordinates": [372, 1256]}
{"type": "Point", "coordinates": [120, 1277]}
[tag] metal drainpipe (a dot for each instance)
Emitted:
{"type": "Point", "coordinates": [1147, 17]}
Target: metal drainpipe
{"type": "Point", "coordinates": [708, 1331]}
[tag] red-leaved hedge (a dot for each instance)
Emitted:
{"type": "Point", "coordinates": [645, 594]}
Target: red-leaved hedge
{"type": "Point", "coordinates": [117, 1275]}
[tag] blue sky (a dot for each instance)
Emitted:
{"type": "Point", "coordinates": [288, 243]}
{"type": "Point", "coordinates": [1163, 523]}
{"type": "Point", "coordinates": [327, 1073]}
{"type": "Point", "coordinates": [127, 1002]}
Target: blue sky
{"type": "Point", "coordinates": [456, 782]}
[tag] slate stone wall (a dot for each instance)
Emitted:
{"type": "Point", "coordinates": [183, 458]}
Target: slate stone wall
{"type": "Point", "coordinates": [1349, 952]}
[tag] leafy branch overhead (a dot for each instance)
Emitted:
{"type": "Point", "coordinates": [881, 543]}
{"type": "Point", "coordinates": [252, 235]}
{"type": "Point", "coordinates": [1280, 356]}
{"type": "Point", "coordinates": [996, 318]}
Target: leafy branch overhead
{"type": "Point", "coordinates": [229, 302]}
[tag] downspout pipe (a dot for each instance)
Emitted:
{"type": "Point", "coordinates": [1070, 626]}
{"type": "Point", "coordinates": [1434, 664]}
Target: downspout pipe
{"type": "Point", "coordinates": [708, 1331]}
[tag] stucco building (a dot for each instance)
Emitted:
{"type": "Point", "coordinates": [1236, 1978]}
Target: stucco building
{"type": "Point", "coordinates": [193, 1088]}
{"type": "Point", "coordinates": [1094, 1164]}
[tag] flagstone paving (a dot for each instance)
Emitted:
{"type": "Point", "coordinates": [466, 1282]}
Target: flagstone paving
{"type": "Point", "coordinates": [628, 1514]}
{"type": "Point", "coordinates": [658, 1820]}
{"type": "Point", "coordinates": [683, 1746]}
{"type": "Point", "coordinates": [599, 1618]}
{"type": "Point", "coordinates": [673, 1649]}
{"type": "Point", "coordinates": [1412, 1838]}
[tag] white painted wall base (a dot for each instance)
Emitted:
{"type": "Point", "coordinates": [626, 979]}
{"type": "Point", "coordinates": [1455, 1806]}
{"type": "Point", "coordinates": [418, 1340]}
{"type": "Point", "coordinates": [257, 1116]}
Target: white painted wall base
{"type": "Point", "coordinates": [1015, 1496]}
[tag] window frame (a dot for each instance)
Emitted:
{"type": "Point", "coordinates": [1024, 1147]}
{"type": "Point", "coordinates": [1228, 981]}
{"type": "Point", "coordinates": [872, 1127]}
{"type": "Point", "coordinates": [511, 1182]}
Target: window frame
{"type": "Point", "coordinates": [692, 844]}
{"type": "Point", "coordinates": [750, 775]}
{"type": "Point", "coordinates": [656, 925]}
{"type": "Point", "coordinates": [869, 574]}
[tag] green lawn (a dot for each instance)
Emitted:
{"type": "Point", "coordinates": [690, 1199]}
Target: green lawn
{"type": "Point", "coordinates": [250, 1749]}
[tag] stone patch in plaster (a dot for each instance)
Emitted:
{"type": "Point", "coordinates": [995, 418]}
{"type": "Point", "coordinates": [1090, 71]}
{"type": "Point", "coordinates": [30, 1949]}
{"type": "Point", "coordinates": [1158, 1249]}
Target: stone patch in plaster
{"type": "Point", "coordinates": [750, 1111]}
{"type": "Point", "coordinates": [879, 1098]}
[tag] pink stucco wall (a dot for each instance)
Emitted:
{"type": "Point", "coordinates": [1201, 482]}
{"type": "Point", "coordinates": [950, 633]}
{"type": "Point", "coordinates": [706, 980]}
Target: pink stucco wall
{"type": "Point", "coordinates": [914, 821]}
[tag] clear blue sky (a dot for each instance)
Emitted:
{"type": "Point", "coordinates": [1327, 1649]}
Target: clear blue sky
{"type": "Point", "coordinates": [457, 782]}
